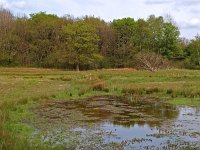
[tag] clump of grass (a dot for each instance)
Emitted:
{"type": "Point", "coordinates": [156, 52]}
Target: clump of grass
{"type": "Point", "coordinates": [62, 78]}
{"type": "Point", "coordinates": [174, 95]}
{"type": "Point", "coordinates": [53, 96]}
{"type": "Point", "coordinates": [152, 90]}
{"type": "Point", "coordinates": [138, 91]}
{"type": "Point", "coordinates": [183, 93]}
{"type": "Point", "coordinates": [190, 94]}
{"type": "Point", "coordinates": [65, 79]}
{"type": "Point", "coordinates": [194, 94]}
{"type": "Point", "coordinates": [100, 86]}
{"type": "Point", "coordinates": [35, 99]}
{"type": "Point", "coordinates": [101, 76]}
{"type": "Point", "coordinates": [169, 91]}
{"type": "Point", "coordinates": [82, 92]}
{"type": "Point", "coordinates": [23, 101]}
{"type": "Point", "coordinates": [115, 89]}
{"type": "Point", "coordinates": [44, 97]}
{"type": "Point", "coordinates": [70, 94]}
{"type": "Point", "coordinates": [52, 78]}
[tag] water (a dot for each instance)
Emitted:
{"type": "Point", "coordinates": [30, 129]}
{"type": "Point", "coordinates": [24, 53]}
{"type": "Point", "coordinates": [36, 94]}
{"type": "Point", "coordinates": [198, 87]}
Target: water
{"type": "Point", "coordinates": [114, 123]}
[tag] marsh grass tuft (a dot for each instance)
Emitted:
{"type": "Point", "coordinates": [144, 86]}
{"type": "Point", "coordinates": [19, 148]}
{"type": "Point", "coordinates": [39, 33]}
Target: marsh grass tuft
{"type": "Point", "coordinates": [100, 86]}
{"type": "Point", "coordinates": [169, 91]}
{"type": "Point", "coordinates": [65, 78]}
{"type": "Point", "coordinates": [151, 90]}
{"type": "Point", "coordinates": [23, 101]}
{"type": "Point", "coordinates": [82, 92]}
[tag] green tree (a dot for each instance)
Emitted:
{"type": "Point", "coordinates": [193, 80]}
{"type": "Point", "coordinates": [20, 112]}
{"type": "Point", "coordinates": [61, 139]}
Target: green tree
{"type": "Point", "coordinates": [125, 29]}
{"type": "Point", "coordinates": [9, 47]}
{"type": "Point", "coordinates": [170, 40]}
{"type": "Point", "coordinates": [106, 43]}
{"type": "Point", "coordinates": [45, 30]}
{"type": "Point", "coordinates": [194, 52]}
{"type": "Point", "coordinates": [141, 38]}
{"type": "Point", "coordinates": [82, 44]}
{"type": "Point", "coordinates": [164, 36]}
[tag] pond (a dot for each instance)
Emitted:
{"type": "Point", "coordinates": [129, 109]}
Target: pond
{"type": "Point", "coordinates": [110, 122]}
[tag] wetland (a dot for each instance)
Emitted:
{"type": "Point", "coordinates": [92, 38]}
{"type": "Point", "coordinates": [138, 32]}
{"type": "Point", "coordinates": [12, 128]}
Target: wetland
{"type": "Point", "coordinates": [99, 109]}
{"type": "Point", "coordinates": [110, 122]}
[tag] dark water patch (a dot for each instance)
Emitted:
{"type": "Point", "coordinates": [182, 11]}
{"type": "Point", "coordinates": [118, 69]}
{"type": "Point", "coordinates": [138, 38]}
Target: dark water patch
{"type": "Point", "coordinates": [111, 122]}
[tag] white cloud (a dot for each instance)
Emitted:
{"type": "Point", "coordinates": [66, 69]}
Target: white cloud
{"type": "Point", "coordinates": [158, 2]}
{"type": "Point", "coordinates": [4, 3]}
{"type": "Point", "coordinates": [19, 4]}
{"type": "Point", "coordinates": [193, 23]}
{"type": "Point", "coordinates": [187, 3]}
{"type": "Point", "coordinates": [13, 4]}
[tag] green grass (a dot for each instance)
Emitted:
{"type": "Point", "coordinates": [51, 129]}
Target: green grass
{"type": "Point", "coordinates": [23, 88]}
{"type": "Point", "coordinates": [194, 102]}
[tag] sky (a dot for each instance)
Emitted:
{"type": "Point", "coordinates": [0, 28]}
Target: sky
{"type": "Point", "coordinates": [186, 13]}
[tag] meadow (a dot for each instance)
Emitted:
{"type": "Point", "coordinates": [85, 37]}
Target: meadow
{"type": "Point", "coordinates": [23, 88]}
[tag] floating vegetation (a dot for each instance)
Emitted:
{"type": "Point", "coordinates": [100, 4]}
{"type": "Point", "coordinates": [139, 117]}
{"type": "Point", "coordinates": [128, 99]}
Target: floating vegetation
{"type": "Point", "coordinates": [111, 122]}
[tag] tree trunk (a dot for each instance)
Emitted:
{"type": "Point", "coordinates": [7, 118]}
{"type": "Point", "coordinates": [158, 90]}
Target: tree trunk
{"type": "Point", "coordinates": [198, 53]}
{"type": "Point", "coordinates": [77, 67]}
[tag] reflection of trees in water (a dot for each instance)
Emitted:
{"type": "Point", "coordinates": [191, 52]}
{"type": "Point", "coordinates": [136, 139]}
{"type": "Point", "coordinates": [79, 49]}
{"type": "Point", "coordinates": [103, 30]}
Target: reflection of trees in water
{"type": "Point", "coordinates": [117, 111]}
{"type": "Point", "coordinates": [130, 124]}
{"type": "Point", "coordinates": [161, 110]}
{"type": "Point", "coordinates": [152, 114]}
{"type": "Point", "coordinates": [140, 113]}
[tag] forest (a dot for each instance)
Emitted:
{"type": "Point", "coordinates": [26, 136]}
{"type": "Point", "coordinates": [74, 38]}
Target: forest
{"type": "Point", "coordinates": [46, 40]}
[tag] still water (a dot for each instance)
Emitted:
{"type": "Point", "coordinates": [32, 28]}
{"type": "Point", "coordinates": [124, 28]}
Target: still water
{"type": "Point", "coordinates": [110, 122]}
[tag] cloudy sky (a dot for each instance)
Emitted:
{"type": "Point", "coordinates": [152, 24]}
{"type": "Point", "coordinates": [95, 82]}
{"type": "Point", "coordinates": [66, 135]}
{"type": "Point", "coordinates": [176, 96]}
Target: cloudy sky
{"type": "Point", "coordinates": [186, 13]}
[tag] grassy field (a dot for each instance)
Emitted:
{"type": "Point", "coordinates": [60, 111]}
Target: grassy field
{"type": "Point", "coordinates": [22, 88]}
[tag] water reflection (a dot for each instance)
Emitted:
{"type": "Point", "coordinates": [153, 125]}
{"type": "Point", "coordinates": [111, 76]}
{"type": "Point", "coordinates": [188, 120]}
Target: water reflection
{"type": "Point", "coordinates": [120, 112]}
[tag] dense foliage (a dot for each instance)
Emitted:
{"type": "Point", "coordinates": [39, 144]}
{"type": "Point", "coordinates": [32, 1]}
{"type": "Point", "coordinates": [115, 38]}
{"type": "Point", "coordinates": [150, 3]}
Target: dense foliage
{"type": "Point", "coordinates": [46, 40]}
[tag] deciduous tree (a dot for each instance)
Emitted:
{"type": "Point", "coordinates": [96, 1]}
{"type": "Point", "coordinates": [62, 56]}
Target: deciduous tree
{"type": "Point", "coordinates": [82, 44]}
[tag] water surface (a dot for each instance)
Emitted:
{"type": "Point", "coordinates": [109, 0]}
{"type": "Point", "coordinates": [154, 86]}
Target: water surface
{"type": "Point", "coordinates": [115, 123]}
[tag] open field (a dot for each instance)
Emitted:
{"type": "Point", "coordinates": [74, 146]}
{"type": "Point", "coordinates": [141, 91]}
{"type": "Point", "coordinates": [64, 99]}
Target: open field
{"type": "Point", "coordinates": [24, 88]}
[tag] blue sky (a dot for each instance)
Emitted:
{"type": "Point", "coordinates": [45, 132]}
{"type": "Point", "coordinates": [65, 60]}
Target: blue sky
{"type": "Point", "coordinates": [186, 13]}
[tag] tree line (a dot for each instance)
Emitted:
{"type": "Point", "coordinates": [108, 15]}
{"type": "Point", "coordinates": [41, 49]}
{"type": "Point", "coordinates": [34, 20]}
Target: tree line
{"type": "Point", "coordinates": [46, 40]}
